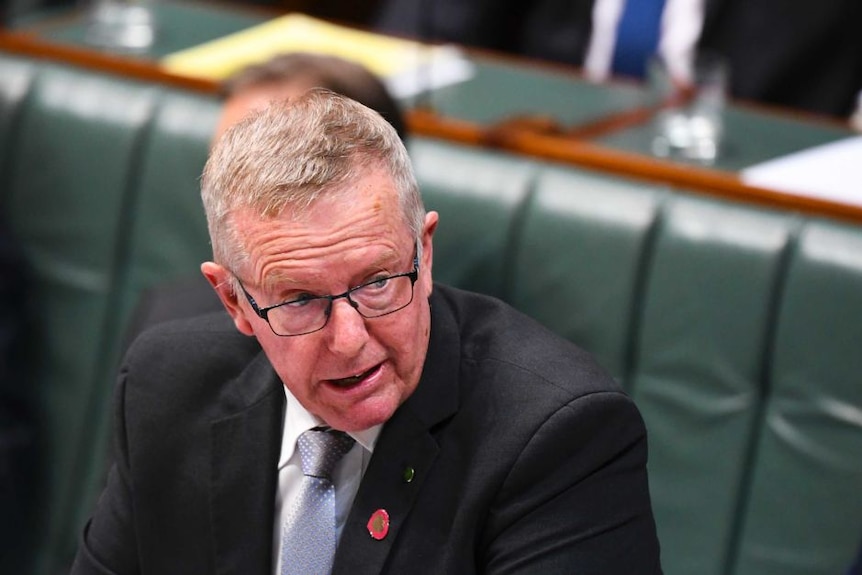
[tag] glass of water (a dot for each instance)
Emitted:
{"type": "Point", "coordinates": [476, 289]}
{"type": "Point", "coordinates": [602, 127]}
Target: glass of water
{"type": "Point", "coordinates": [122, 25]}
{"type": "Point", "coordinates": [690, 120]}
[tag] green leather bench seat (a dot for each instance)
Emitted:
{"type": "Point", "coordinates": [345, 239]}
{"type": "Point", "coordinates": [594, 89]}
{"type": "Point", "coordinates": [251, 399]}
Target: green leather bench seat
{"type": "Point", "coordinates": [706, 315]}
{"type": "Point", "coordinates": [480, 198]}
{"type": "Point", "coordinates": [803, 509]}
{"type": "Point", "coordinates": [166, 231]}
{"type": "Point", "coordinates": [579, 263]}
{"type": "Point", "coordinates": [75, 147]}
{"type": "Point", "coordinates": [736, 329]}
{"type": "Point", "coordinates": [79, 150]}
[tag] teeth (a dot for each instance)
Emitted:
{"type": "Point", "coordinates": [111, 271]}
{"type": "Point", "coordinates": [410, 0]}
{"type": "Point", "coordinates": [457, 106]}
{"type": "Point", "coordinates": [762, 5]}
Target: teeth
{"type": "Point", "coordinates": [352, 379]}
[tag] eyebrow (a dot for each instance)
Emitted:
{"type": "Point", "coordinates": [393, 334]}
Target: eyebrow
{"type": "Point", "coordinates": [276, 278]}
{"type": "Point", "coordinates": [389, 255]}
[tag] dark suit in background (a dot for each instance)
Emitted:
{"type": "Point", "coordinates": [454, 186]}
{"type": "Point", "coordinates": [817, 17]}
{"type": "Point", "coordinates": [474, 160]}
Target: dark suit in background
{"type": "Point", "coordinates": [557, 30]}
{"type": "Point", "coordinates": [796, 53]}
{"type": "Point", "coordinates": [559, 487]}
{"type": "Point", "coordinates": [791, 53]}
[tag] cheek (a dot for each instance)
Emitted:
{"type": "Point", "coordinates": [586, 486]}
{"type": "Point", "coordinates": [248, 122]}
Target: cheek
{"type": "Point", "coordinates": [411, 344]}
{"type": "Point", "coordinates": [290, 362]}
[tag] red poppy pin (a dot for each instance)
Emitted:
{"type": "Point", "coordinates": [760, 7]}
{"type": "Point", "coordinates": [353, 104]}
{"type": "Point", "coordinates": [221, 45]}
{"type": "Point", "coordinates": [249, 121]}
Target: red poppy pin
{"type": "Point", "coordinates": [378, 525]}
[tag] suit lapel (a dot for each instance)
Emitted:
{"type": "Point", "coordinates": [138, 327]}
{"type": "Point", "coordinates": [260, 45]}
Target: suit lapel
{"type": "Point", "coordinates": [384, 487]}
{"type": "Point", "coordinates": [404, 455]}
{"type": "Point", "coordinates": [245, 448]}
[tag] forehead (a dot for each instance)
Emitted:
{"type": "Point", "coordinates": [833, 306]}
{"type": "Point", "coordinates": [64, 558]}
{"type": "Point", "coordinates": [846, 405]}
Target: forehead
{"type": "Point", "coordinates": [367, 194]}
{"type": "Point", "coordinates": [351, 226]}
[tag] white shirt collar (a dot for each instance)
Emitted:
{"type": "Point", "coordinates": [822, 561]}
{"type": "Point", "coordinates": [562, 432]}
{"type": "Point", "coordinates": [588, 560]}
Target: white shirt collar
{"type": "Point", "coordinates": [298, 420]}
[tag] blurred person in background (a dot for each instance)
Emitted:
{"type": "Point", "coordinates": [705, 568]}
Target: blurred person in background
{"type": "Point", "coordinates": [789, 53]}
{"type": "Point", "coordinates": [290, 75]}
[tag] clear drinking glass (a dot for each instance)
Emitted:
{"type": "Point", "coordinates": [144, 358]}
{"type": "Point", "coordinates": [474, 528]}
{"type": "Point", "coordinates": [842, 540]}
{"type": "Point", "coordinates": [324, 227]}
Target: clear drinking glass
{"type": "Point", "coordinates": [122, 25]}
{"type": "Point", "coordinates": [690, 121]}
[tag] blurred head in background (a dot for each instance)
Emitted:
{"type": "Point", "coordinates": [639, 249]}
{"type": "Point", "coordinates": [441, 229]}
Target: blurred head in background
{"type": "Point", "coordinates": [287, 76]}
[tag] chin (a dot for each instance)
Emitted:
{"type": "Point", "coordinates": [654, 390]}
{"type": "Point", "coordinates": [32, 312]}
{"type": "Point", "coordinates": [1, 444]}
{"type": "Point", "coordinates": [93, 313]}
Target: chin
{"type": "Point", "coordinates": [374, 412]}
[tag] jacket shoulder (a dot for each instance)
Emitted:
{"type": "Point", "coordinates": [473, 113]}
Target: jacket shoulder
{"type": "Point", "coordinates": [496, 336]}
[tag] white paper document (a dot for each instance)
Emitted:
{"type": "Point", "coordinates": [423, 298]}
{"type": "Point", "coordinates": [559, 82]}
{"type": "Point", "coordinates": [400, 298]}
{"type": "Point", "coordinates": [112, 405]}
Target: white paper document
{"type": "Point", "coordinates": [830, 172]}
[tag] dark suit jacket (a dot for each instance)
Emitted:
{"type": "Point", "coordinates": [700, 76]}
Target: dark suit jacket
{"type": "Point", "coordinates": [527, 457]}
{"type": "Point", "coordinates": [557, 30]}
{"type": "Point", "coordinates": [791, 53]}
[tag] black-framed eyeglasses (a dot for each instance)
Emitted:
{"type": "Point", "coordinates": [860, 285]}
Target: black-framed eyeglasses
{"type": "Point", "coordinates": [375, 298]}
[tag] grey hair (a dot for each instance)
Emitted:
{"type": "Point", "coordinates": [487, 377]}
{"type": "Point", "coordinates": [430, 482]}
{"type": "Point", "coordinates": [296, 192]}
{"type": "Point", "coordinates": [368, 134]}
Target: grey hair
{"type": "Point", "coordinates": [287, 156]}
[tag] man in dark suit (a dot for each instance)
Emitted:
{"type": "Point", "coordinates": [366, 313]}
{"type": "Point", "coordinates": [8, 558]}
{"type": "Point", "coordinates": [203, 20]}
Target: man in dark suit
{"type": "Point", "coordinates": [477, 441]}
{"type": "Point", "coordinates": [783, 52]}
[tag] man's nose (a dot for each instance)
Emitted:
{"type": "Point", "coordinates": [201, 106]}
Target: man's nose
{"type": "Point", "coordinates": [347, 329]}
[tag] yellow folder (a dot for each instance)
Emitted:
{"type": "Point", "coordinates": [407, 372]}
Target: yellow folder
{"type": "Point", "coordinates": [218, 59]}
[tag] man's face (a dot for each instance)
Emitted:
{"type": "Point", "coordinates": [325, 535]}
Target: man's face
{"type": "Point", "coordinates": [355, 372]}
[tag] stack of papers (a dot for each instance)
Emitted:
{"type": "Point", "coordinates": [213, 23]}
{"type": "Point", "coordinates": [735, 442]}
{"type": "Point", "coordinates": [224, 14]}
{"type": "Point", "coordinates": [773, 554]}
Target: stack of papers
{"type": "Point", "coordinates": [408, 68]}
{"type": "Point", "coordinates": [830, 172]}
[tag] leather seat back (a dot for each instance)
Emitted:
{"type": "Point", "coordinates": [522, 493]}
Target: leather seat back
{"type": "Point", "coordinates": [706, 319]}
{"type": "Point", "coordinates": [579, 262]}
{"type": "Point", "coordinates": [480, 198]}
{"type": "Point", "coordinates": [803, 511]}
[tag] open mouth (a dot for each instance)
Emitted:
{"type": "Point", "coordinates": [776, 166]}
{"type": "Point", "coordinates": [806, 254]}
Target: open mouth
{"type": "Point", "coordinates": [353, 380]}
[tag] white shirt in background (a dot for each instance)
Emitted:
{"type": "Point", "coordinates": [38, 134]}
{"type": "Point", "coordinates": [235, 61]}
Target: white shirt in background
{"type": "Point", "coordinates": [681, 23]}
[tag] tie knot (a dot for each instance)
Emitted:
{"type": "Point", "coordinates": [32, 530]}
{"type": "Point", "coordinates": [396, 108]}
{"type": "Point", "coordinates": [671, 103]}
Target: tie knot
{"type": "Point", "coordinates": [321, 449]}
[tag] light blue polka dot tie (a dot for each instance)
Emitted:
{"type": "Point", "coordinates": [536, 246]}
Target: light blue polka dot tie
{"type": "Point", "coordinates": [309, 537]}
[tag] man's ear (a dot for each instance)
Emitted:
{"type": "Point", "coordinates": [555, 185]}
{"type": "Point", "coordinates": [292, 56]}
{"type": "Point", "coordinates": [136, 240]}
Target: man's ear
{"type": "Point", "coordinates": [431, 219]}
{"type": "Point", "coordinates": [219, 279]}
